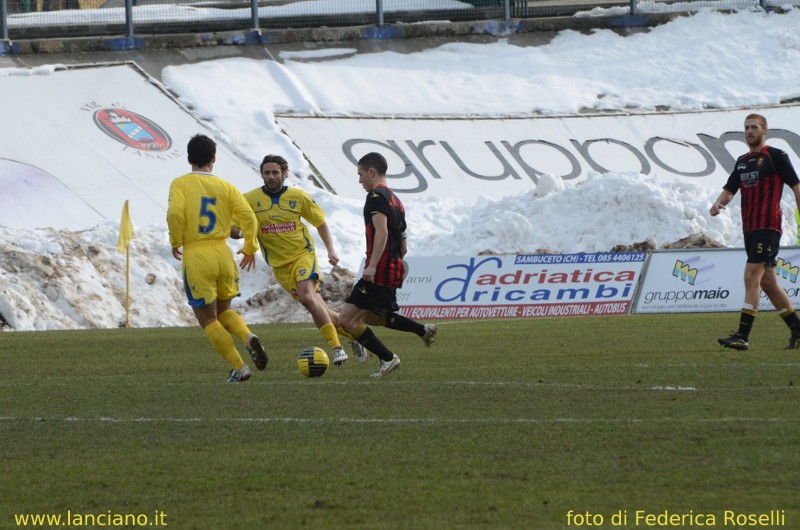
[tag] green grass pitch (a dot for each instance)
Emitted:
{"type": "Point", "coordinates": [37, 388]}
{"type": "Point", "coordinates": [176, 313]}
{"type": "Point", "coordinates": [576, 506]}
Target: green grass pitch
{"type": "Point", "coordinates": [536, 424]}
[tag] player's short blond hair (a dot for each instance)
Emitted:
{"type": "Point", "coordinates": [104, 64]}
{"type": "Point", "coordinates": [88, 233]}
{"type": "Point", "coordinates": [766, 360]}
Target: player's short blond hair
{"type": "Point", "coordinates": [759, 117]}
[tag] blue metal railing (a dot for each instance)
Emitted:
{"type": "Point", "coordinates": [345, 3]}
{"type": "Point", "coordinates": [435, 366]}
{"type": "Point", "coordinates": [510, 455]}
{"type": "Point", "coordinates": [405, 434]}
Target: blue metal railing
{"type": "Point", "coordinates": [32, 19]}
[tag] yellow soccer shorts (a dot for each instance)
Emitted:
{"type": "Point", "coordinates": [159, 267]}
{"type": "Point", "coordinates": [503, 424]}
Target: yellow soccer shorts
{"type": "Point", "coordinates": [302, 269]}
{"type": "Point", "coordinates": [209, 273]}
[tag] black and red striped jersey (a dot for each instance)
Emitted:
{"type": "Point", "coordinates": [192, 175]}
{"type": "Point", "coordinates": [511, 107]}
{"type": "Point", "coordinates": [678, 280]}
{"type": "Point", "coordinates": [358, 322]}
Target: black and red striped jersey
{"type": "Point", "coordinates": [760, 177]}
{"type": "Point", "coordinates": [390, 270]}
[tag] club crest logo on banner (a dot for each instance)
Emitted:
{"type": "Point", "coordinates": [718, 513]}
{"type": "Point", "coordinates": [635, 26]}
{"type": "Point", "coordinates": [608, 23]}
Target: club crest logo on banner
{"type": "Point", "coordinates": [131, 129]}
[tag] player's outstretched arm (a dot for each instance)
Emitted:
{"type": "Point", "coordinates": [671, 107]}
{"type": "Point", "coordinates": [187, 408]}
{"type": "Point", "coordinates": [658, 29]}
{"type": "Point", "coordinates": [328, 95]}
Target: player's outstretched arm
{"type": "Point", "coordinates": [325, 236]}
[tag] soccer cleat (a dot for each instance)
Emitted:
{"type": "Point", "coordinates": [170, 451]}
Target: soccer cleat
{"type": "Point", "coordinates": [735, 341]}
{"type": "Point", "coordinates": [257, 351]}
{"type": "Point", "coordinates": [239, 376]}
{"type": "Point", "coordinates": [794, 341]}
{"type": "Point", "coordinates": [339, 356]}
{"type": "Point", "coordinates": [359, 351]}
{"type": "Point", "coordinates": [384, 367]}
{"type": "Point", "coordinates": [430, 334]}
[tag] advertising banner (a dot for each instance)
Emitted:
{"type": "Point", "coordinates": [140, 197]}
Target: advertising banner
{"type": "Point", "coordinates": [707, 280]}
{"type": "Point", "coordinates": [522, 285]}
{"type": "Point", "coordinates": [496, 157]}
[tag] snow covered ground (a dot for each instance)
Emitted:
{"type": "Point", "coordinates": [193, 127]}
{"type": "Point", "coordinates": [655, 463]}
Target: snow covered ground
{"type": "Point", "coordinates": [57, 279]}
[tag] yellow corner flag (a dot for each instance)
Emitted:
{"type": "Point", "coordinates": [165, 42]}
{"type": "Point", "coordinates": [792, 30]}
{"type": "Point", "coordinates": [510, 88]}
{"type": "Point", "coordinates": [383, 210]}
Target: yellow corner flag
{"type": "Point", "coordinates": [125, 229]}
{"type": "Point", "coordinates": [125, 236]}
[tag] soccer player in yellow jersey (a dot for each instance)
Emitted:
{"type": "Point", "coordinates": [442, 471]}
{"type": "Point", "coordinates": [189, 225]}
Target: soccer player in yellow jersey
{"type": "Point", "coordinates": [289, 248]}
{"type": "Point", "coordinates": [199, 216]}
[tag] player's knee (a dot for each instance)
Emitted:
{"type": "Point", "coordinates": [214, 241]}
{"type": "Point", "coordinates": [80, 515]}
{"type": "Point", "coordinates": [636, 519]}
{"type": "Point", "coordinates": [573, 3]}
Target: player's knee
{"type": "Point", "coordinates": [349, 324]}
{"type": "Point", "coordinates": [768, 280]}
{"type": "Point", "coordinates": [334, 316]}
{"type": "Point", "coordinates": [309, 300]}
{"type": "Point", "coordinates": [349, 327]}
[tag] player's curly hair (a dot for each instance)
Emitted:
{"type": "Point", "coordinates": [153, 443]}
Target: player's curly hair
{"type": "Point", "coordinates": [276, 159]}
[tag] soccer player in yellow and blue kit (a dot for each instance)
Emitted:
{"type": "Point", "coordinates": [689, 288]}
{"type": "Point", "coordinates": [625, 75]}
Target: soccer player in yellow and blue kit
{"type": "Point", "coordinates": [199, 216]}
{"type": "Point", "coordinates": [289, 248]}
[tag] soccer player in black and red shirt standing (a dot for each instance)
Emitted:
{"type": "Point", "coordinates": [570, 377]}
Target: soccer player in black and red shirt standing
{"type": "Point", "coordinates": [373, 298]}
{"type": "Point", "coordinates": [760, 175]}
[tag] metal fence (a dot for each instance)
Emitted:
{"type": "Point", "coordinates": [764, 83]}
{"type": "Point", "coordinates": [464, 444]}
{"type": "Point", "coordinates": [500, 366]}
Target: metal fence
{"type": "Point", "coordinates": [38, 19]}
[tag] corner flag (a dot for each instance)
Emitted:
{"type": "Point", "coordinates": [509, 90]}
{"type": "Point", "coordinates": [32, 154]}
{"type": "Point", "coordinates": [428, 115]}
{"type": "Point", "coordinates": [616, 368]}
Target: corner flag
{"type": "Point", "coordinates": [125, 236]}
{"type": "Point", "coordinates": [125, 229]}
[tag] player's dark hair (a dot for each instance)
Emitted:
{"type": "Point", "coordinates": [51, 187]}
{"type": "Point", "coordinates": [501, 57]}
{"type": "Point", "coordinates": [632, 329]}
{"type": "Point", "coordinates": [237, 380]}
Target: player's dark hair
{"type": "Point", "coordinates": [276, 159]}
{"type": "Point", "coordinates": [201, 150]}
{"type": "Point", "coordinates": [374, 161]}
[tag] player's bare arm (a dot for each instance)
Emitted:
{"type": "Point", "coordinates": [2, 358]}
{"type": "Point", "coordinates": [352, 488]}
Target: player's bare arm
{"type": "Point", "coordinates": [325, 235]}
{"type": "Point", "coordinates": [724, 198]}
{"type": "Point", "coordinates": [796, 191]}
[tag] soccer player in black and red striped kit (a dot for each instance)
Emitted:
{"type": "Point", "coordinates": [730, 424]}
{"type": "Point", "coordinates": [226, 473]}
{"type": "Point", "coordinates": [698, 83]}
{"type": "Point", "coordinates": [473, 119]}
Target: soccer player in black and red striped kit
{"type": "Point", "coordinates": [373, 299]}
{"type": "Point", "coordinates": [760, 175]}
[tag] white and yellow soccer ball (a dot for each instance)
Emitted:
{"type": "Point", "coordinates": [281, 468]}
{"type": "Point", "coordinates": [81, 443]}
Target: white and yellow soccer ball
{"type": "Point", "coordinates": [313, 362]}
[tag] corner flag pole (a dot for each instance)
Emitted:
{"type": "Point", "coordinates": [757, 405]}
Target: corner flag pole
{"type": "Point", "coordinates": [123, 244]}
{"type": "Point", "coordinates": [127, 287]}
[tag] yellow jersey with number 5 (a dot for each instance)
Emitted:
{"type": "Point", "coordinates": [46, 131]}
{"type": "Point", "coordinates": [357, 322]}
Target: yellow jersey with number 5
{"type": "Point", "coordinates": [201, 210]}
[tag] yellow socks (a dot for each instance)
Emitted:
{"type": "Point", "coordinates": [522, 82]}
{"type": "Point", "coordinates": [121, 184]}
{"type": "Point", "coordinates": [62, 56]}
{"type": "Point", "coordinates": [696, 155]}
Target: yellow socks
{"type": "Point", "coordinates": [223, 343]}
{"type": "Point", "coordinates": [343, 333]}
{"type": "Point", "coordinates": [235, 324]}
{"type": "Point", "coordinates": [329, 332]}
{"type": "Point", "coordinates": [359, 330]}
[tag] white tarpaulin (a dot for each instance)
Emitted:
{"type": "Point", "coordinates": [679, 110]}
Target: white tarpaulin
{"type": "Point", "coordinates": [498, 157]}
{"type": "Point", "coordinates": [86, 139]}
